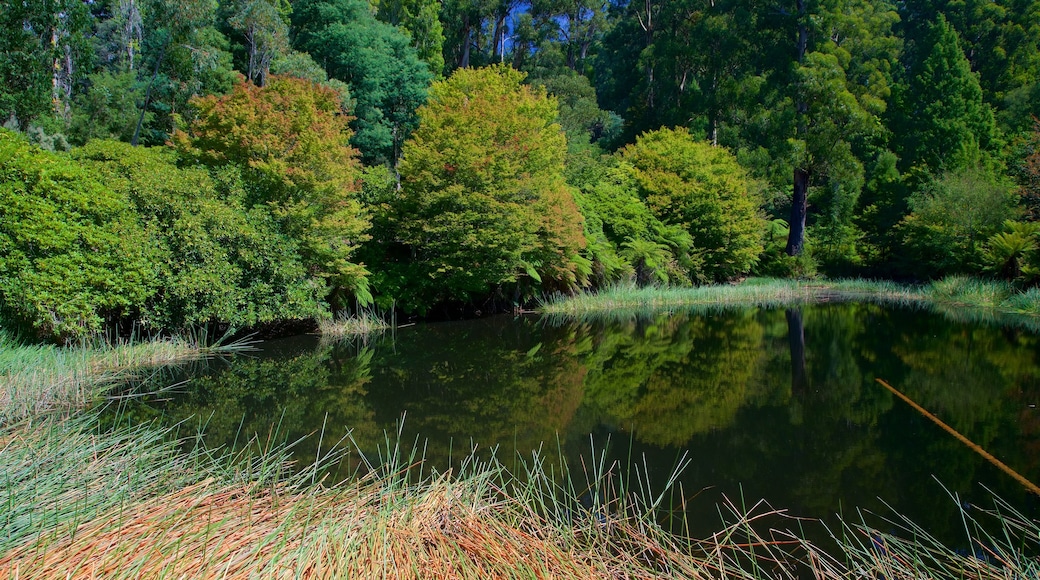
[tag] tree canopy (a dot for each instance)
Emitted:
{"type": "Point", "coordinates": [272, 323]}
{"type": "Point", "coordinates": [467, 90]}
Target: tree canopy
{"type": "Point", "coordinates": [484, 203]}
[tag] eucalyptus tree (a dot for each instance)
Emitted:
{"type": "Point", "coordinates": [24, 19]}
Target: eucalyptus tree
{"type": "Point", "coordinates": [42, 48]}
{"type": "Point", "coordinates": [264, 27]}
{"type": "Point", "coordinates": [421, 20]}
{"type": "Point", "coordinates": [840, 86]}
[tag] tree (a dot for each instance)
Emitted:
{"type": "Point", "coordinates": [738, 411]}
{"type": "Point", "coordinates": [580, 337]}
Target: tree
{"type": "Point", "coordinates": [942, 118]}
{"type": "Point", "coordinates": [40, 51]}
{"type": "Point", "coordinates": [951, 218]}
{"type": "Point", "coordinates": [421, 20]}
{"type": "Point", "coordinates": [378, 63]}
{"type": "Point", "coordinates": [264, 27]}
{"type": "Point", "coordinates": [185, 56]}
{"type": "Point", "coordinates": [217, 261]}
{"type": "Point", "coordinates": [701, 188]}
{"type": "Point", "coordinates": [72, 253]}
{"type": "Point", "coordinates": [291, 142]}
{"type": "Point", "coordinates": [484, 204]}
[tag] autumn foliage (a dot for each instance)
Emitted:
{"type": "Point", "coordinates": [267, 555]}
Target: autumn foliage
{"type": "Point", "coordinates": [291, 141]}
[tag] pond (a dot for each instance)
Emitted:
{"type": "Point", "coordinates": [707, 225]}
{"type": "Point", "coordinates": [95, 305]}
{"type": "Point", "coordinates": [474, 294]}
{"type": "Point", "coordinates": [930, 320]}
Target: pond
{"type": "Point", "coordinates": [772, 404]}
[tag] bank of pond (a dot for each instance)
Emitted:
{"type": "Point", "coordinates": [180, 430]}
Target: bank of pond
{"type": "Point", "coordinates": [678, 441]}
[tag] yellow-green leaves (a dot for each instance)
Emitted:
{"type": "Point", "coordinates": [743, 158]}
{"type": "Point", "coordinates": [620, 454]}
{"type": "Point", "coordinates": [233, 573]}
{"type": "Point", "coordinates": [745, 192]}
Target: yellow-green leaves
{"type": "Point", "coordinates": [701, 188]}
{"type": "Point", "coordinates": [484, 201]}
{"type": "Point", "coordinates": [71, 250]}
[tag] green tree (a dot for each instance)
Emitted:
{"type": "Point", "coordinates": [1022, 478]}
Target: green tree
{"type": "Point", "coordinates": [647, 248]}
{"type": "Point", "coordinates": [41, 49]}
{"type": "Point", "coordinates": [264, 28]}
{"type": "Point", "coordinates": [217, 261]}
{"type": "Point", "coordinates": [942, 119]}
{"type": "Point", "coordinates": [377, 61]}
{"type": "Point", "coordinates": [701, 188]}
{"type": "Point", "coordinates": [183, 56]}
{"type": "Point", "coordinates": [72, 253]}
{"type": "Point", "coordinates": [484, 204]}
{"type": "Point", "coordinates": [421, 20]}
{"type": "Point", "coordinates": [107, 109]}
{"type": "Point", "coordinates": [291, 141]}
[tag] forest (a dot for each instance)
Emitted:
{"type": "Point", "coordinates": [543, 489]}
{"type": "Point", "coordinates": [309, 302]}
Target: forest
{"type": "Point", "coordinates": [169, 164]}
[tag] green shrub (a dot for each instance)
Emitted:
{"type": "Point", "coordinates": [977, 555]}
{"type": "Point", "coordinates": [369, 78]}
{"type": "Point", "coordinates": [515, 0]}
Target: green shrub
{"type": "Point", "coordinates": [218, 262]}
{"type": "Point", "coordinates": [71, 250]}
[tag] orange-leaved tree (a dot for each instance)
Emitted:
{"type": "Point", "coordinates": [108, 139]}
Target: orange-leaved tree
{"type": "Point", "coordinates": [291, 141]}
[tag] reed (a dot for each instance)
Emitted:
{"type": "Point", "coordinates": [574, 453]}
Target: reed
{"type": "Point", "coordinates": [362, 323]}
{"type": "Point", "coordinates": [125, 504]}
{"type": "Point", "coordinates": [137, 501]}
{"type": "Point", "coordinates": [751, 292]}
{"type": "Point", "coordinates": [39, 378]}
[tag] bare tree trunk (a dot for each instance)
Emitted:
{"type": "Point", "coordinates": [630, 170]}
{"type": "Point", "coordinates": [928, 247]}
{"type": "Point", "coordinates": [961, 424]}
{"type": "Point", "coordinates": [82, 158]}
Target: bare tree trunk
{"type": "Point", "coordinates": [799, 207]}
{"type": "Point", "coordinates": [467, 32]}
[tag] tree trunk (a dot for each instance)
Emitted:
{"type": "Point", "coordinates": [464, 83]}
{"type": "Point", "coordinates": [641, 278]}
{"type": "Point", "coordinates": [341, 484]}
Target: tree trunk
{"type": "Point", "coordinates": [799, 200]}
{"type": "Point", "coordinates": [799, 207]}
{"type": "Point", "coordinates": [466, 32]}
{"type": "Point", "coordinates": [796, 343]}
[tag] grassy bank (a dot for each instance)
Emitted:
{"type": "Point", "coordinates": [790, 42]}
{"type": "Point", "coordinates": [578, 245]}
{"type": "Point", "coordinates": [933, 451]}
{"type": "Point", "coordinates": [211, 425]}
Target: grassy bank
{"type": "Point", "coordinates": [958, 296]}
{"type": "Point", "coordinates": [38, 379]}
{"type": "Point", "coordinates": [133, 502]}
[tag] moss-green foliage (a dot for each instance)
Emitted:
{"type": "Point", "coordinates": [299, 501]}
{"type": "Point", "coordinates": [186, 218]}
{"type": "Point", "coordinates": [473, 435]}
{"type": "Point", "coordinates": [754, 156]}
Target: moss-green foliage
{"type": "Point", "coordinates": [217, 261]}
{"type": "Point", "coordinates": [484, 204]}
{"type": "Point", "coordinates": [952, 218]}
{"type": "Point", "coordinates": [701, 188]}
{"type": "Point", "coordinates": [71, 250]}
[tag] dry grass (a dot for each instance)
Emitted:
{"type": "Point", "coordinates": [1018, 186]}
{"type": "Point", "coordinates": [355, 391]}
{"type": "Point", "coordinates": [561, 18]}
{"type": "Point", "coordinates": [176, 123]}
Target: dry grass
{"type": "Point", "coordinates": [126, 504]}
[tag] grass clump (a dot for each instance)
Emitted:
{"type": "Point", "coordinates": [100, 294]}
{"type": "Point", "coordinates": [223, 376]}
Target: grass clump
{"type": "Point", "coordinates": [767, 292]}
{"type": "Point", "coordinates": [359, 324]}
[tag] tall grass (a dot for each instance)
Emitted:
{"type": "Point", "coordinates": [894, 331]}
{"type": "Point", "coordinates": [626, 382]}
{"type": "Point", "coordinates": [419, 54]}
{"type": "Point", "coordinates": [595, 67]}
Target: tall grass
{"type": "Point", "coordinates": [40, 378]}
{"type": "Point", "coordinates": [134, 502]}
{"type": "Point", "coordinates": [360, 324]}
{"type": "Point", "coordinates": [80, 502]}
{"type": "Point", "coordinates": [752, 292]}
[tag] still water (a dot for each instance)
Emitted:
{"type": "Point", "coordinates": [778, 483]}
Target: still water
{"type": "Point", "coordinates": [779, 405]}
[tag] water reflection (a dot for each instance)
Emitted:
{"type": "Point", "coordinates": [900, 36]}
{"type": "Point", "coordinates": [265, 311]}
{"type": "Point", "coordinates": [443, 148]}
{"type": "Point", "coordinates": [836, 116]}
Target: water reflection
{"type": "Point", "coordinates": [771, 404]}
